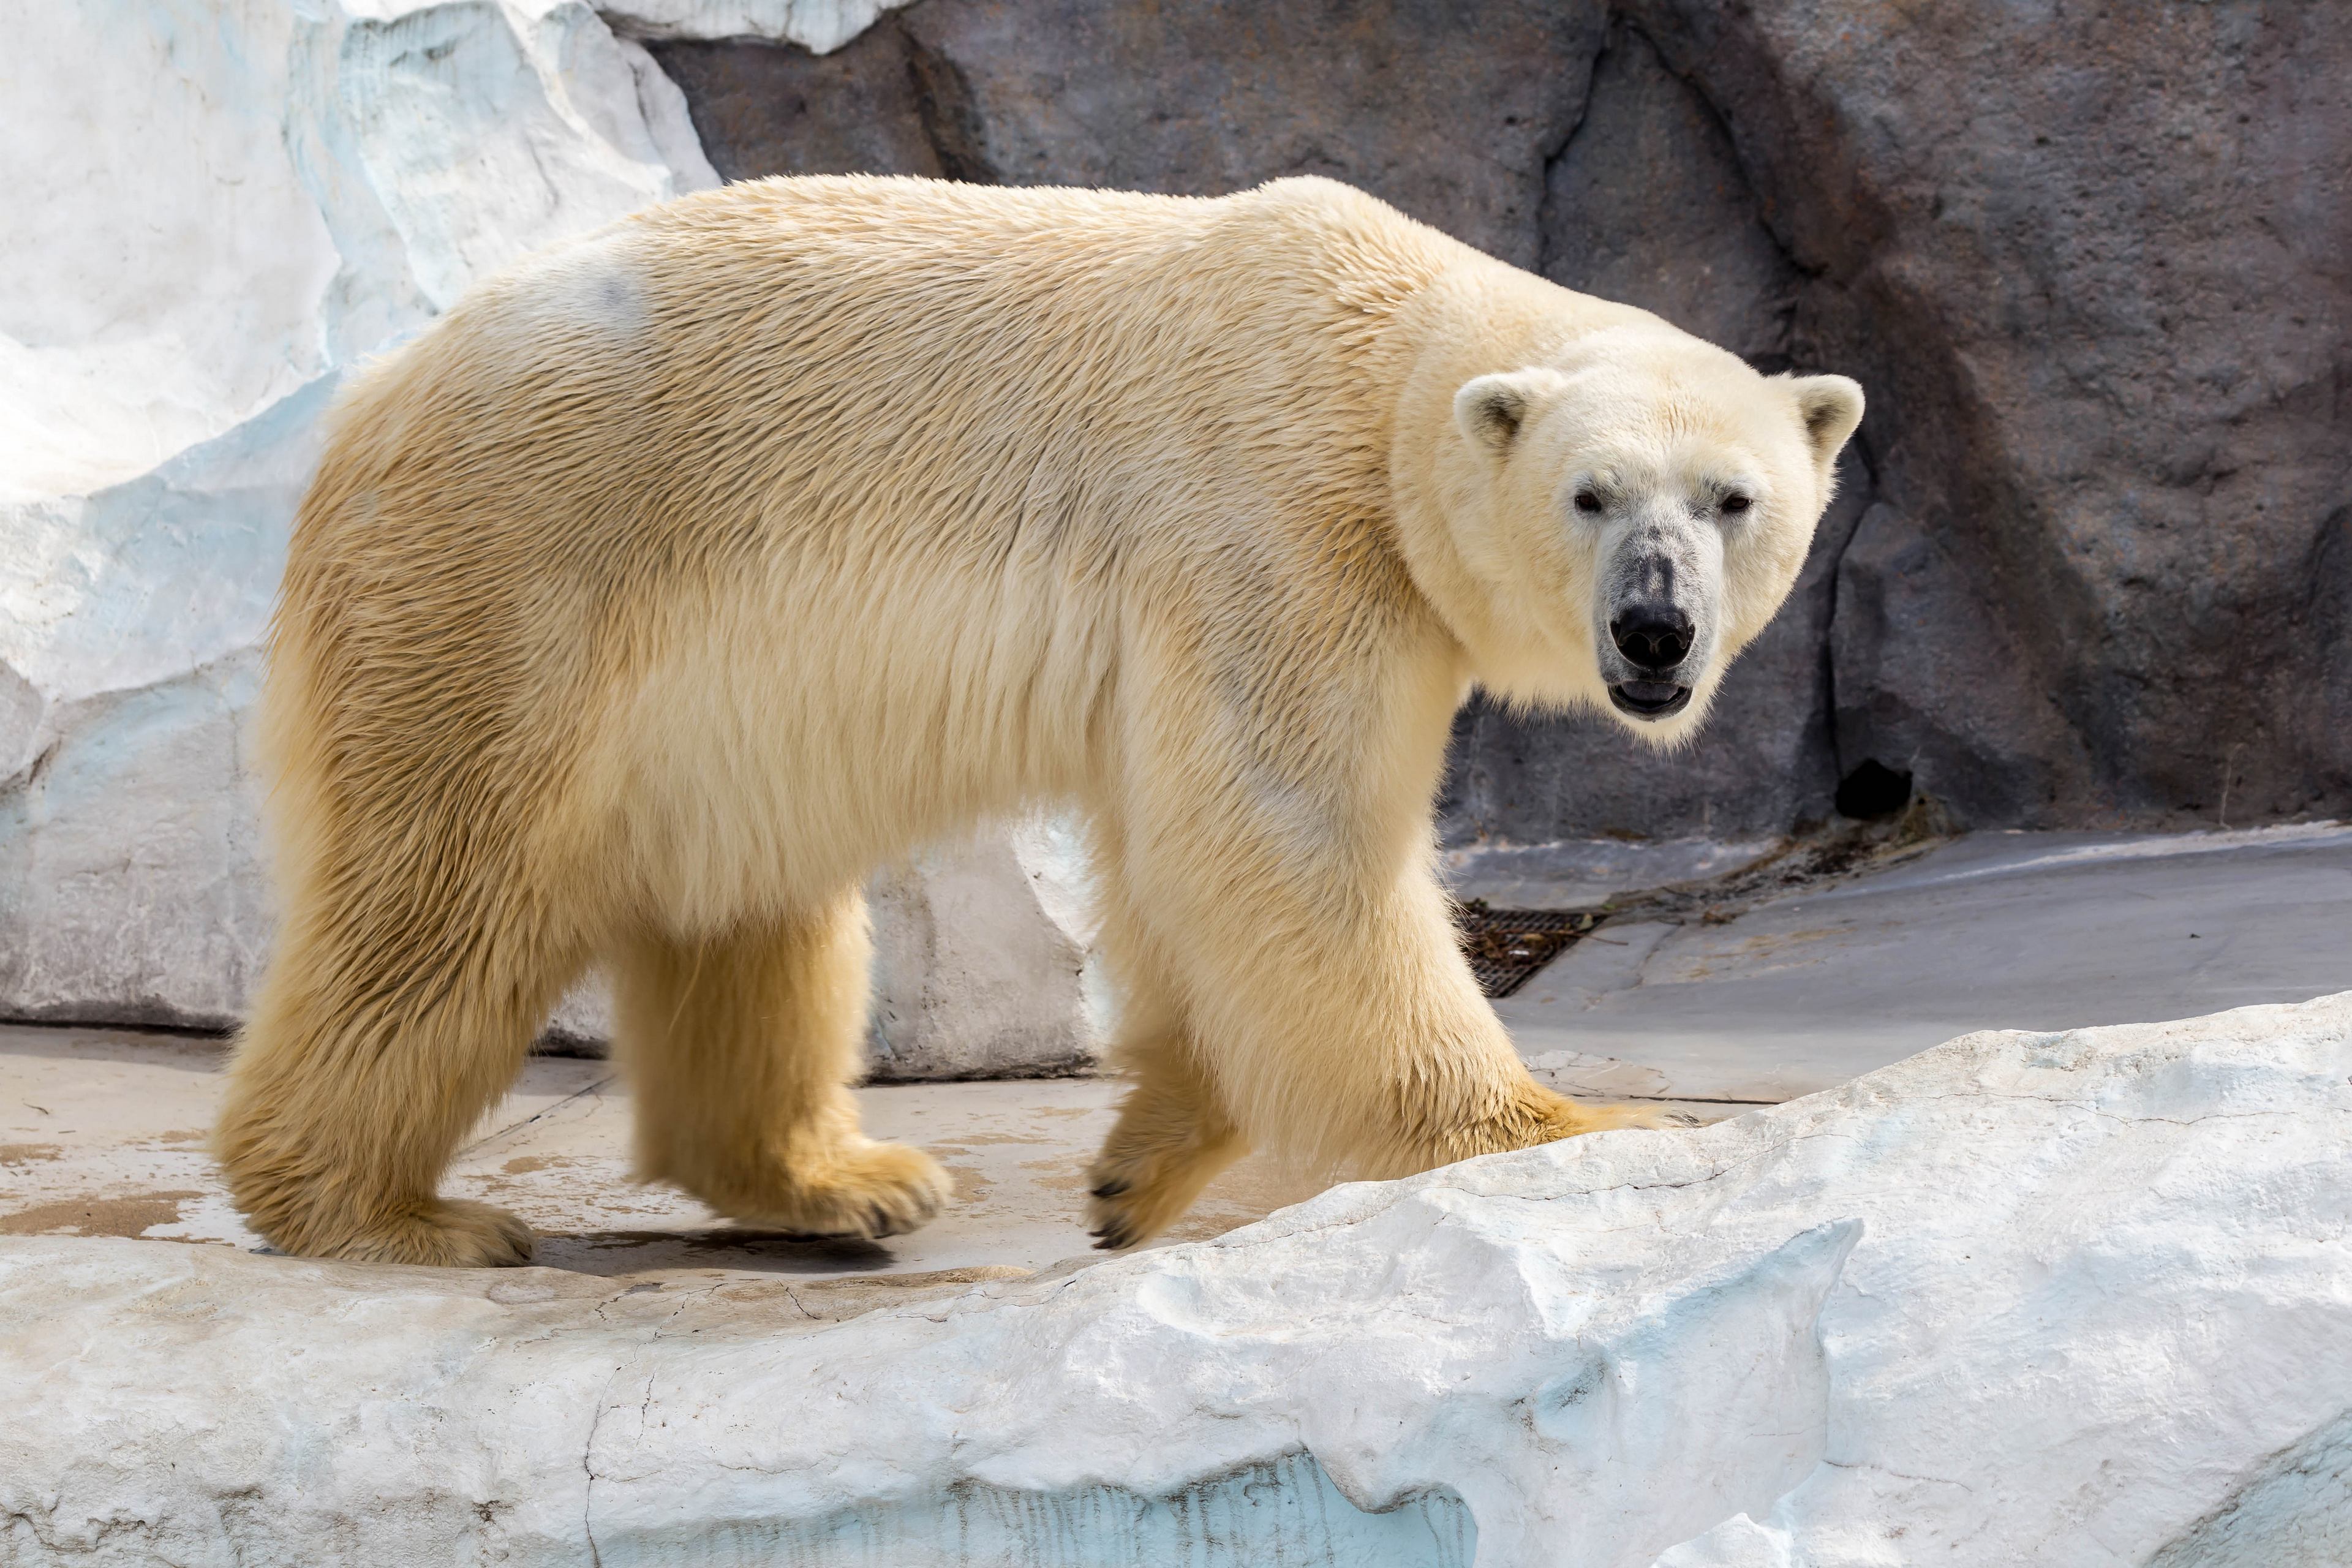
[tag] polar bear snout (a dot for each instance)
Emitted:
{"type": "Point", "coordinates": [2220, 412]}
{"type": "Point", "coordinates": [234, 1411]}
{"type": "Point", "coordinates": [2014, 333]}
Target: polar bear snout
{"type": "Point", "coordinates": [1654, 639]}
{"type": "Point", "coordinates": [1660, 630]}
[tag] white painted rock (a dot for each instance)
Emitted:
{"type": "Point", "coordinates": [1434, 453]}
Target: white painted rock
{"type": "Point", "coordinates": [984, 963]}
{"type": "Point", "coordinates": [213, 208]}
{"type": "Point", "coordinates": [2073, 1299]}
{"type": "Point", "coordinates": [820, 27]}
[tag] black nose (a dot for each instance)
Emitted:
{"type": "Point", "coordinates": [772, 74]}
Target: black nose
{"type": "Point", "coordinates": [1653, 636]}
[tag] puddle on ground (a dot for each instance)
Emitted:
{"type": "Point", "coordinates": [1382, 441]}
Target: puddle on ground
{"type": "Point", "coordinates": [129, 1217]}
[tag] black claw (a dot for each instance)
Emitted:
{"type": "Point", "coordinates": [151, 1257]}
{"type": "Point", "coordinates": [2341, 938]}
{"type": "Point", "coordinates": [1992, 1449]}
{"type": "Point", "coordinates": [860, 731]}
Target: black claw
{"type": "Point", "coordinates": [1110, 1189]}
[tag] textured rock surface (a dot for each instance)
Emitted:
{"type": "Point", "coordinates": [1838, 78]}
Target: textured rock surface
{"type": "Point", "coordinates": [983, 959]}
{"type": "Point", "coordinates": [818, 24]}
{"type": "Point", "coordinates": [2090, 565]}
{"type": "Point", "coordinates": [225, 208]}
{"type": "Point", "coordinates": [2091, 265]}
{"type": "Point", "coordinates": [219, 207]}
{"type": "Point", "coordinates": [2071, 1299]}
{"type": "Point", "coordinates": [1452, 113]}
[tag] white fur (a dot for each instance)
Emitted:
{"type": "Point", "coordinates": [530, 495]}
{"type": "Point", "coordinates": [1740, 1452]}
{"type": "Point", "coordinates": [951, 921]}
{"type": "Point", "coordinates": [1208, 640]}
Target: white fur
{"type": "Point", "coordinates": [678, 578]}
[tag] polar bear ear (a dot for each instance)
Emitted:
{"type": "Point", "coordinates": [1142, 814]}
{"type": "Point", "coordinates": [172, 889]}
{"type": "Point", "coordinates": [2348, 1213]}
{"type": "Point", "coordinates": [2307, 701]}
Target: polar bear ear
{"type": "Point", "coordinates": [1492, 410]}
{"type": "Point", "coordinates": [1830, 407]}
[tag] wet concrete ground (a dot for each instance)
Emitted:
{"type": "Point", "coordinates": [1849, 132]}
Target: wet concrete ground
{"type": "Point", "coordinates": [101, 1131]}
{"type": "Point", "coordinates": [101, 1134]}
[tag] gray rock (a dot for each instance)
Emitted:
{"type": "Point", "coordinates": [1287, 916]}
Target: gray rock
{"type": "Point", "coordinates": [1451, 112]}
{"type": "Point", "coordinates": [1925, 675]}
{"type": "Point", "coordinates": [2091, 265]}
{"type": "Point", "coordinates": [775, 109]}
{"type": "Point", "coordinates": [2091, 268]}
{"type": "Point", "coordinates": [1646, 204]}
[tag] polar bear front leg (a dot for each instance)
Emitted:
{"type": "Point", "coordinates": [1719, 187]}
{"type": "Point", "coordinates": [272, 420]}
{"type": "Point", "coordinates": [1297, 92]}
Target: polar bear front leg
{"type": "Point", "coordinates": [740, 1049]}
{"type": "Point", "coordinates": [1380, 1056]}
{"type": "Point", "coordinates": [1173, 1135]}
{"type": "Point", "coordinates": [1328, 1002]}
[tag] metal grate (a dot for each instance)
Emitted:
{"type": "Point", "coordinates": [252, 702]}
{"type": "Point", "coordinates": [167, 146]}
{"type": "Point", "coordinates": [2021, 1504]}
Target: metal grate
{"type": "Point", "coordinates": [1506, 947]}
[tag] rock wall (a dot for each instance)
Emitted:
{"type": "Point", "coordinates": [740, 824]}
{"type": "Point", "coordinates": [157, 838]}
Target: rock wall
{"type": "Point", "coordinates": [215, 209]}
{"type": "Point", "coordinates": [2089, 567]}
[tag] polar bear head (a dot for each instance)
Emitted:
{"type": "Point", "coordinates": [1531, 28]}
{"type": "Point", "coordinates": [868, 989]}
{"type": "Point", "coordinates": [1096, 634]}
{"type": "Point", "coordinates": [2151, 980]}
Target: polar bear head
{"type": "Point", "coordinates": [1625, 513]}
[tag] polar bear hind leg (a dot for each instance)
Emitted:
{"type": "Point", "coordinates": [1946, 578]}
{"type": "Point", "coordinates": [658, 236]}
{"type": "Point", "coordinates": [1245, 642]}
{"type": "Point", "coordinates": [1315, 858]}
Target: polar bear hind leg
{"type": "Point", "coordinates": [387, 1027]}
{"type": "Point", "coordinates": [740, 1049]}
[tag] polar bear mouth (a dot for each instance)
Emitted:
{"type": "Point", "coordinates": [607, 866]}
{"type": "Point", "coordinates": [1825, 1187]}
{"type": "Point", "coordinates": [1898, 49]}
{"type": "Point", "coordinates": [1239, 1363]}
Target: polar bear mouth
{"type": "Point", "coordinates": [1650, 699]}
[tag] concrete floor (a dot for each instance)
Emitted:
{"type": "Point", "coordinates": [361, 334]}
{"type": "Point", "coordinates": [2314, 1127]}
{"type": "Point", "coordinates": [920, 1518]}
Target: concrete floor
{"type": "Point", "coordinates": [1994, 931]}
{"type": "Point", "coordinates": [101, 1131]}
{"type": "Point", "coordinates": [101, 1134]}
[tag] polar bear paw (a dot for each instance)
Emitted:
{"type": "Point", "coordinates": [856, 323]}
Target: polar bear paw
{"type": "Point", "coordinates": [1560, 1116]}
{"type": "Point", "coordinates": [866, 1191]}
{"type": "Point", "coordinates": [446, 1233]}
{"type": "Point", "coordinates": [1134, 1193]}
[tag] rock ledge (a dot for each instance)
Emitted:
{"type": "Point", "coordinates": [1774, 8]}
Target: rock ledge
{"type": "Point", "coordinates": [2068, 1298]}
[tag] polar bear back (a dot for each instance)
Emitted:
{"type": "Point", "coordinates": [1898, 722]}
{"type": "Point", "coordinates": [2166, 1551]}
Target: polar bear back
{"type": "Point", "coordinates": [648, 526]}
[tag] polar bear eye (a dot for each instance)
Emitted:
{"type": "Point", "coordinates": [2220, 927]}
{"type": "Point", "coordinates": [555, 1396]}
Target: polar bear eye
{"type": "Point", "coordinates": [1587, 502]}
{"type": "Point", "coordinates": [1734, 505]}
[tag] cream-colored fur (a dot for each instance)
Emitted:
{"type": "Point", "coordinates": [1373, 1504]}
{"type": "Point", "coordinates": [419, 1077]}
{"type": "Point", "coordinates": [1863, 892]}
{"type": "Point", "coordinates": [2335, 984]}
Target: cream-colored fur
{"type": "Point", "coordinates": [681, 576]}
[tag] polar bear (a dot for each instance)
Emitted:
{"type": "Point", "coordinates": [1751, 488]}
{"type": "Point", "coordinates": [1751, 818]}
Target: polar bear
{"type": "Point", "coordinates": [684, 574]}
